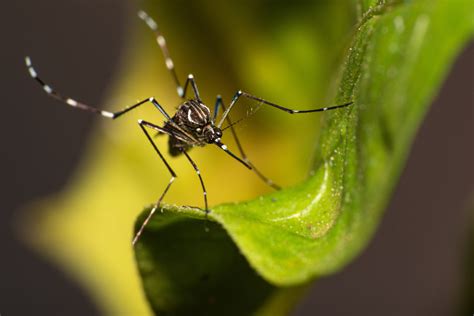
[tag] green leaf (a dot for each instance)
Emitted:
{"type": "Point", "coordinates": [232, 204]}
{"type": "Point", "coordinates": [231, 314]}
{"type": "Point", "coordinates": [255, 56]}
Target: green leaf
{"type": "Point", "coordinates": [238, 259]}
{"type": "Point", "coordinates": [189, 264]}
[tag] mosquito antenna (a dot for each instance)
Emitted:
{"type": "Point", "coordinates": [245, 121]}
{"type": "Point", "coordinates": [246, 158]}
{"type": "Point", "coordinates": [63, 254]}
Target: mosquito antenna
{"type": "Point", "coordinates": [234, 123]}
{"type": "Point", "coordinates": [249, 114]}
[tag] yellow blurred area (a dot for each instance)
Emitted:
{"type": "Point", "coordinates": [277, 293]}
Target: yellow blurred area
{"type": "Point", "coordinates": [87, 228]}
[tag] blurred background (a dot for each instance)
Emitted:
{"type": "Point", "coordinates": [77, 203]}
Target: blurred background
{"type": "Point", "coordinates": [415, 265]}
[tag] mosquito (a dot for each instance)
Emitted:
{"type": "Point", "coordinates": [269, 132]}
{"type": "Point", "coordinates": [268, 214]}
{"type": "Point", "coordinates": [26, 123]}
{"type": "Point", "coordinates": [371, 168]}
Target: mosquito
{"type": "Point", "coordinates": [192, 125]}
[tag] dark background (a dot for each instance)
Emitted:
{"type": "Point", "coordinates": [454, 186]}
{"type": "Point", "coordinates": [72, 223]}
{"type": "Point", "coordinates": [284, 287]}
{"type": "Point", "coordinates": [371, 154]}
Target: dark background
{"type": "Point", "coordinates": [413, 266]}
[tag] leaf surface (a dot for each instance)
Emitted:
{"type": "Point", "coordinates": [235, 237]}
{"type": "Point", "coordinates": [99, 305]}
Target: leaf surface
{"type": "Point", "coordinates": [396, 60]}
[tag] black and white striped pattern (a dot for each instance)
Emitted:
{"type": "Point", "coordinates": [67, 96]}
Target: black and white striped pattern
{"type": "Point", "coordinates": [197, 113]}
{"type": "Point", "coordinates": [69, 101]}
{"type": "Point", "coordinates": [76, 104]}
{"type": "Point", "coordinates": [160, 39]}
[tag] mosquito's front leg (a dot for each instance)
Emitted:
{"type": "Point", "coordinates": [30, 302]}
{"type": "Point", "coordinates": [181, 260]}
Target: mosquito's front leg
{"type": "Point", "coordinates": [239, 94]}
{"type": "Point", "coordinates": [144, 125]}
{"type": "Point", "coordinates": [220, 103]}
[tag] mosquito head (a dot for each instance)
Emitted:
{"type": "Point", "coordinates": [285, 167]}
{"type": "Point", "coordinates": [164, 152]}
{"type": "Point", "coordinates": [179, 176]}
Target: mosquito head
{"type": "Point", "coordinates": [210, 133]}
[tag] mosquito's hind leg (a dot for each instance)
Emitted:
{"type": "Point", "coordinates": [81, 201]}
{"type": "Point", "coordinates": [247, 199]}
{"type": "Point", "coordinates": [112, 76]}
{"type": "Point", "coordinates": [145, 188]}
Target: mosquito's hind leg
{"type": "Point", "coordinates": [160, 39]}
{"type": "Point", "coordinates": [76, 104]}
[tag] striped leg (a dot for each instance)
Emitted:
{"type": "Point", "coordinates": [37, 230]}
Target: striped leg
{"type": "Point", "coordinates": [239, 93]}
{"type": "Point", "coordinates": [268, 181]}
{"type": "Point", "coordinates": [143, 125]}
{"type": "Point", "coordinates": [160, 39]}
{"type": "Point", "coordinates": [204, 192]}
{"type": "Point", "coordinates": [112, 115]}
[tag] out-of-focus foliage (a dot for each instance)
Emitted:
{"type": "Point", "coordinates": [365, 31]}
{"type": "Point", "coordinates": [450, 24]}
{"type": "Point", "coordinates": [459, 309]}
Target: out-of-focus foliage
{"type": "Point", "coordinates": [314, 228]}
{"type": "Point", "coordinates": [467, 302]}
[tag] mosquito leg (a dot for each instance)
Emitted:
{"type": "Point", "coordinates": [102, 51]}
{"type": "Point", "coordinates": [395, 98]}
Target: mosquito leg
{"type": "Point", "coordinates": [76, 104]}
{"type": "Point", "coordinates": [160, 39]}
{"type": "Point", "coordinates": [204, 192]}
{"type": "Point", "coordinates": [193, 85]}
{"type": "Point", "coordinates": [143, 125]}
{"type": "Point", "coordinates": [239, 93]}
{"type": "Point", "coordinates": [268, 181]}
{"type": "Point", "coordinates": [217, 105]}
